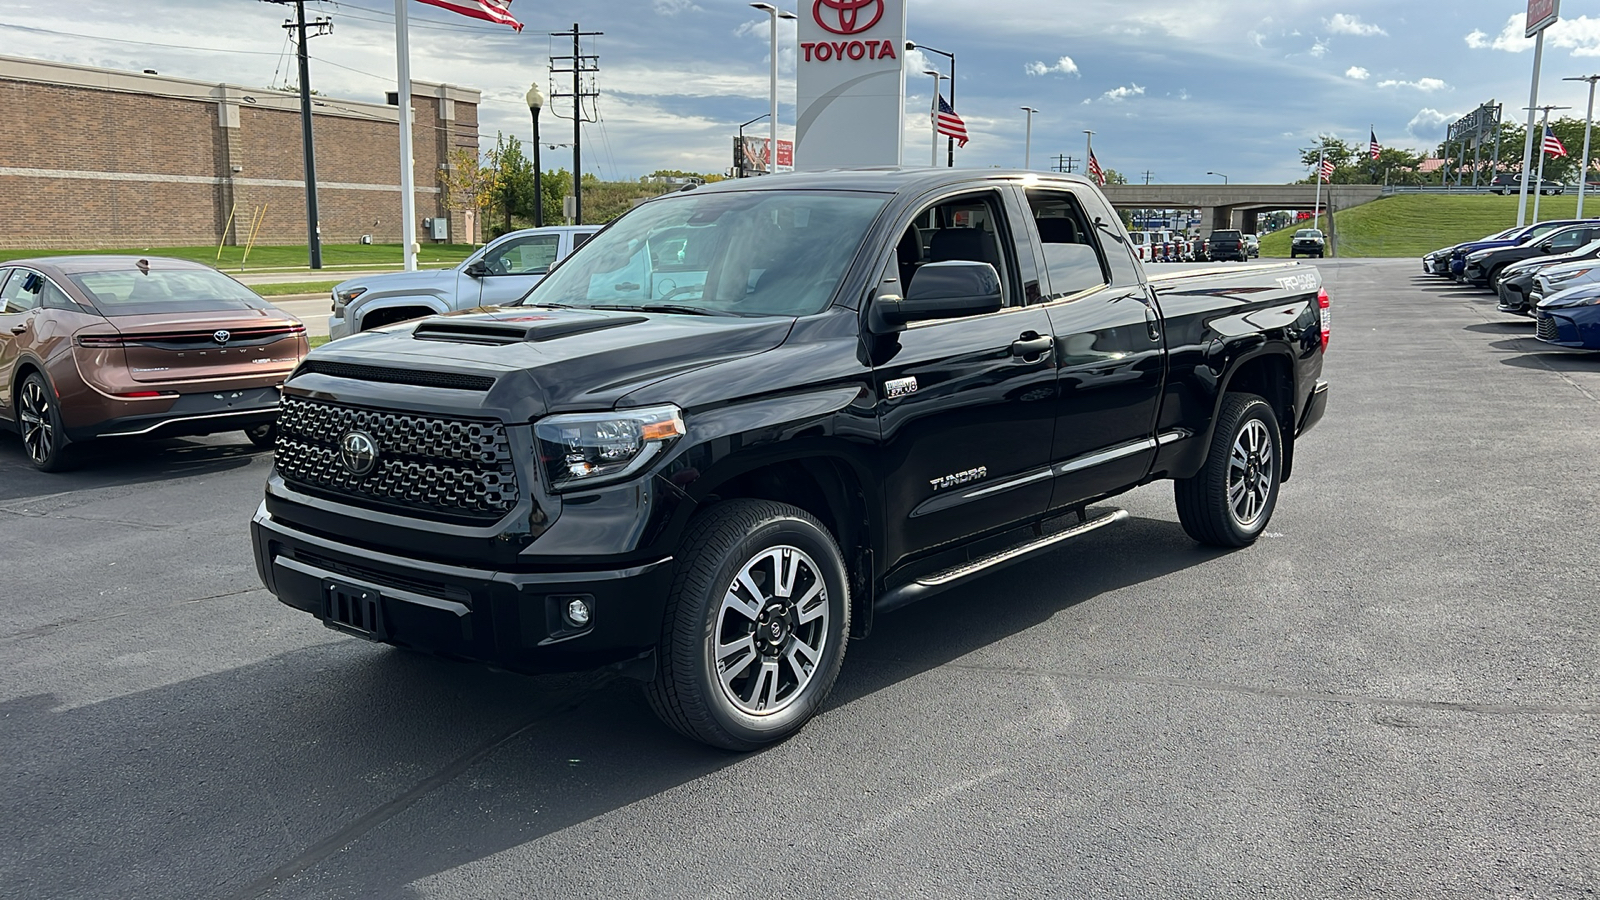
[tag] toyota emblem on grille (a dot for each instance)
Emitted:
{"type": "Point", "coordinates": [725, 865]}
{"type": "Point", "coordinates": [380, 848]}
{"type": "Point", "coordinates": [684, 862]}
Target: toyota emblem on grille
{"type": "Point", "coordinates": [359, 452]}
{"type": "Point", "coordinates": [221, 336]}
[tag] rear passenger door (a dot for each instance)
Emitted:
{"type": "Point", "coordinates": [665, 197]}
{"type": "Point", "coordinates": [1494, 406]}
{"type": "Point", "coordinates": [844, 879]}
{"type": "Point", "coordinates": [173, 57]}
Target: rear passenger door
{"type": "Point", "coordinates": [964, 404]}
{"type": "Point", "coordinates": [1110, 359]}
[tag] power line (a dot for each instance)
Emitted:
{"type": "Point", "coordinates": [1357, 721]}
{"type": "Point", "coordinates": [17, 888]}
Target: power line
{"type": "Point", "coordinates": [96, 37]}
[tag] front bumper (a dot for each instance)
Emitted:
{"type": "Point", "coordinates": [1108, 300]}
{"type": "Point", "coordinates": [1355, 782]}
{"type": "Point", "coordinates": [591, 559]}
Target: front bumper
{"type": "Point", "coordinates": [509, 619]}
{"type": "Point", "coordinates": [1513, 297]}
{"type": "Point", "coordinates": [339, 324]}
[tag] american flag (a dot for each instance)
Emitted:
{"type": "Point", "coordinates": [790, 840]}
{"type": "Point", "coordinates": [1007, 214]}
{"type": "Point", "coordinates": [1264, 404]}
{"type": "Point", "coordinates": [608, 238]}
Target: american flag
{"type": "Point", "coordinates": [1552, 144]}
{"type": "Point", "coordinates": [498, 11]}
{"type": "Point", "coordinates": [948, 123]}
{"type": "Point", "coordinates": [1327, 170]}
{"type": "Point", "coordinates": [1375, 149]}
{"type": "Point", "coordinates": [1095, 171]}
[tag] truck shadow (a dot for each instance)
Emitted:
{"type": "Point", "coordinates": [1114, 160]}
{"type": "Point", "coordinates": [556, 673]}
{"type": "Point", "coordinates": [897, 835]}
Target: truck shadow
{"type": "Point", "coordinates": [113, 463]}
{"type": "Point", "coordinates": [1560, 361]}
{"type": "Point", "coordinates": [349, 769]}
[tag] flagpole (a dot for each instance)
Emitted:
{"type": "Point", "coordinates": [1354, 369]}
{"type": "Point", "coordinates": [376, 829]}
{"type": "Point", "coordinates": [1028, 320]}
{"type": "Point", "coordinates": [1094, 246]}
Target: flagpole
{"type": "Point", "coordinates": [1317, 209]}
{"type": "Point", "coordinates": [408, 188]}
{"type": "Point", "coordinates": [1538, 184]}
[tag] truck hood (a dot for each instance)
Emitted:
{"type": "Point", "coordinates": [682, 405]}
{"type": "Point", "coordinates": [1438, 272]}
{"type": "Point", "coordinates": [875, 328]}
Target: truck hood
{"type": "Point", "coordinates": [432, 281]}
{"type": "Point", "coordinates": [533, 360]}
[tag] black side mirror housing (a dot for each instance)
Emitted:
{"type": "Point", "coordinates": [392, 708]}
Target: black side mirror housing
{"type": "Point", "coordinates": [477, 269]}
{"type": "Point", "coordinates": [941, 290]}
{"type": "Point", "coordinates": [1547, 246]}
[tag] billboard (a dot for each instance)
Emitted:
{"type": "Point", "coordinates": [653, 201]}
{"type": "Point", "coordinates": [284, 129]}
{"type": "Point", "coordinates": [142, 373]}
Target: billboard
{"type": "Point", "coordinates": [1541, 15]}
{"type": "Point", "coordinates": [850, 83]}
{"type": "Point", "coordinates": [750, 155]}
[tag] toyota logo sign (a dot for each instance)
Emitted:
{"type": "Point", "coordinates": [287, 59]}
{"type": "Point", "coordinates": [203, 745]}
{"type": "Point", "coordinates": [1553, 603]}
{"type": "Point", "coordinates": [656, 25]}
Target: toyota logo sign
{"type": "Point", "coordinates": [359, 452]}
{"type": "Point", "coordinates": [844, 16]}
{"type": "Point", "coordinates": [221, 336]}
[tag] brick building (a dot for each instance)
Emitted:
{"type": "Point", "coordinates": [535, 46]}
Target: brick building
{"type": "Point", "coordinates": [103, 158]}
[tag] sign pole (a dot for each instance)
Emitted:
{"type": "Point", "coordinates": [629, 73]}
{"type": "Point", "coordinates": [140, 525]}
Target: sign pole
{"type": "Point", "coordinates": [1541, 15]}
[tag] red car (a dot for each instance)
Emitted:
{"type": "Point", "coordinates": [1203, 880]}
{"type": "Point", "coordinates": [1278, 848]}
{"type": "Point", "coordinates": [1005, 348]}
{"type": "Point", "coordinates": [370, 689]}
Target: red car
{"type": "Point", "coordinates": [122, 346]}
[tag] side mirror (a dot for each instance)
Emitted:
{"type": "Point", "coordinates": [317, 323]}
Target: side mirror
{"type": "Point", "coordinates": [477, 269]}
{"type": "Point", "coordinates": [1547, 246]}
{"type": "Point", "coordinates": [941, 290]}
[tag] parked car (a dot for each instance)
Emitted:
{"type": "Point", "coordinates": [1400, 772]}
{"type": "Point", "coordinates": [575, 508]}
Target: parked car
{"type": "Point", "coordinates": [865, 388]}
{"type": "Point", "coordinates": [503, 270]}
{"type": "Point", "coordinates": [124, 346]}
{"type": "Point", "coordinates": [1512, 184]}
{"type": "Point", "coordinates": [1515, 285]}
{"type": "Point", "coordinates": [1252, 244]}
{"type": "Point", "coordinates": [1522, 235]}
{"type": "Point", "coordinates": [1571, 318]}
{"type": "Point", "coordinates": [1308, 242]}
{"type": "Point", "coordinates": [1227, 244]}
{"type": "Point", "coordinates": [1556, 279]}
{"type": "Point", "coordinates": [1438, 262]}
{"type": "Point", "coordinates": [1483, 267]}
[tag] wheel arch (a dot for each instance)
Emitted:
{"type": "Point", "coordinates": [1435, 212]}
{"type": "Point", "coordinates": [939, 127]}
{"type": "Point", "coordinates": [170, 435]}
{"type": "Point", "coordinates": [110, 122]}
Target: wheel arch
{"type": "Point", "coordinates": [1268, 372]}
{"type": "Point", "coordinates": [390, 309]}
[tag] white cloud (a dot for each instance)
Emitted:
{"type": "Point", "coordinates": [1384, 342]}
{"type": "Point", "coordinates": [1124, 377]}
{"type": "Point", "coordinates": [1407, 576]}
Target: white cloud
{"type": "Point", "coordinates": [1358, 73]}
{"type": "Point", "coordinates": [1319, 49]}
{"type": "Point", "coordinates": [673, 7]}
{"type": "Point", "coordinates": [1428, 124]}
{"type": "Point", "coordinates": [1426, 85]}
{"type": "Point", "coordinates": [1339, 23]}
{"type": "Point", "coordinates": [1580, 35]}
{"type": "Point", "coordinates": [1063, 66]}
{"type": "Point", "coordinates": [1119, 94]}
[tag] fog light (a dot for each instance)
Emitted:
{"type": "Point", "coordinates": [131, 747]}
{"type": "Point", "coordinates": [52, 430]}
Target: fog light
{"type": "Point", "coordinates": [579, 612]}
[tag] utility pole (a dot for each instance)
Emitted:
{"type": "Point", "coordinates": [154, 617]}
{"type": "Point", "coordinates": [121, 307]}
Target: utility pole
{"type": "Point", "coordinates": [1148, 175]}
{"type": "Point", "coordinates": [580, 65]}
{"type": "Point", "coordinates": [323, 25]}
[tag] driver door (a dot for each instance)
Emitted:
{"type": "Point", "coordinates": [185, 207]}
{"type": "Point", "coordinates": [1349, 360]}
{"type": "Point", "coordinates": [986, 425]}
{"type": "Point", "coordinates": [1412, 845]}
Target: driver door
{"type": "Point", "coordinates": [514, 266]}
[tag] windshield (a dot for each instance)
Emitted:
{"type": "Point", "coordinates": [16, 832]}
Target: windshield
{"type": "Point", "coordinates": [747, 253]}
{"type": "Point", "coordinates": [1308, 232]}
{"type": "Point", "coordinates": [135, 291]}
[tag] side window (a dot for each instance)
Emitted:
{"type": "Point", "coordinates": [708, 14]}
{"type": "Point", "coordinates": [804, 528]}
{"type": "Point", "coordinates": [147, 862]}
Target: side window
{"type": "Point", "coordinates": [1570, 240]}
{"type": "Point", "coordinates": [525, 256]}
{"type": "Point", "coordinates": [21, 291]}
{"type": "Point", "coordinates": [579, 238]}
{"type": "Point", "coordinates": [1073, 261]}
{"type": "Point", "coordinates": [962, 228]}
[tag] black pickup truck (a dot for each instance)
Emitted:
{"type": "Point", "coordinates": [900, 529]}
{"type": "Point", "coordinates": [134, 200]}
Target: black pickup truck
{"type": "Point", "coordinates": [1227, 244]}
{"type": "Point", "coordinates": [745, 419]}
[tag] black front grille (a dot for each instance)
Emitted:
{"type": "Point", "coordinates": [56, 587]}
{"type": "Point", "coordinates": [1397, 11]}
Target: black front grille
{"type": "Point", "coordinates": [451, 380]}
{"type": "Point", "coordinates": [1547, 328]}
{"type": "Point", "coordinates": [426, 464]}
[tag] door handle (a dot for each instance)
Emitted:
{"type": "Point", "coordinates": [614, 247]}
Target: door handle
{"type": "Point", "coordinates": [20, 329]}
{"type": "Point", "coordinates": [1032, 346]}
{"type": "Point", "coordinates": [1152, 323]}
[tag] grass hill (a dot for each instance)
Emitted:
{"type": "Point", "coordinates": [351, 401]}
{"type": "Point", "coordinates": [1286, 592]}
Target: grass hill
{"type": "Point", "coordinates": [1414, 224]}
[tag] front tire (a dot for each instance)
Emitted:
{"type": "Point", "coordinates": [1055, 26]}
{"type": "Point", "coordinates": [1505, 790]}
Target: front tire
{"type": "Point", "coordinates": [1230, 500]}
{"type": "Point", "coordinates": [39, 423]}
{"type": "Point", "coordinates": [264, 437]}
{"type": "Point", "coordinates": [755, 627]}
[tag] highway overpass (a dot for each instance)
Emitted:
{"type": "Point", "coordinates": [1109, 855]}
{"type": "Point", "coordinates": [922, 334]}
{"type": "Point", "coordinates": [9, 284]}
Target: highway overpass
{"type": "Point", "coordinates": [1236, 205]}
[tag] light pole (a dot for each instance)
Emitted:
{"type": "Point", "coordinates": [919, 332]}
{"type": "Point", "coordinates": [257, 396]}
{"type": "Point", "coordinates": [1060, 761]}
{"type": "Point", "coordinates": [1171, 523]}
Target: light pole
{"type": "Point", "coordinates": [1088, 152]}
{"type": "Point", "coordinates": [1027, 141]}
{"type": "Point", "coordinates": [951, 146]}
{"type": "Point", "coordinates": [776, 14]}
{"type": "Point", "coordinates": [1219, 175]}
{"type": "Point", "coordinates": [1588, 118]}
{"type": "Point", "coordinates": [933, 111]}
{"type": "Point", "coordinates": [740, 161]}
{"type": "Point", "coordinates": [536, 103]}
{"type": "Point", "coordinates": [1538, 180]}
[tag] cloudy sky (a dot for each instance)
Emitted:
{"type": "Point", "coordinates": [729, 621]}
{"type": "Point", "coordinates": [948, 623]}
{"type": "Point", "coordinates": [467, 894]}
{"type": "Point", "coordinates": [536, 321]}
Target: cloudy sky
{"type": "Point", "coordinates": [1175, 87]}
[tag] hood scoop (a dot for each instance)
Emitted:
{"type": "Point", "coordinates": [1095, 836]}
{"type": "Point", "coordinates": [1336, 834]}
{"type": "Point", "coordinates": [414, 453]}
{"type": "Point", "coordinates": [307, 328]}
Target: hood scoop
{"type": "Point", "coordinates": [532, 329]}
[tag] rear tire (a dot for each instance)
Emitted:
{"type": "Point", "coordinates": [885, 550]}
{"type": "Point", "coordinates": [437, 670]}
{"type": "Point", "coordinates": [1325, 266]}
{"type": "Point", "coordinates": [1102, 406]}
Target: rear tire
{"type": "Point", "coordinates": [264, 437]}
{"type": "Point", "coordinates": [755, 626]}
{"type": "Point", "coordinates": [1230, 500]}
{"type": "Point", "coordinates": [39, 424]}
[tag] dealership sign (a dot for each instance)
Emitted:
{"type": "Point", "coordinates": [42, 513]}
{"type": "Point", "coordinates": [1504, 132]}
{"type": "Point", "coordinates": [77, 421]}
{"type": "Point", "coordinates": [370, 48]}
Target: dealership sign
{"type": "Point", "coordinates": [1541, 15]}
{"type": "Point", "coordinates": [850, 83]}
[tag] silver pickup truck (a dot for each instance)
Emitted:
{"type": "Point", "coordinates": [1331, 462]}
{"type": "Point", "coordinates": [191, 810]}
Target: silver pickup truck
{"type": "Point", "coordinates": [505, 269]}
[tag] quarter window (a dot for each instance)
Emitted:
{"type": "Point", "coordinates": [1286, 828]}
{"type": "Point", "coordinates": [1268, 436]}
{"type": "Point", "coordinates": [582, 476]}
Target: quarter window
{"type": "Point", "coordinates": [1072, 257]}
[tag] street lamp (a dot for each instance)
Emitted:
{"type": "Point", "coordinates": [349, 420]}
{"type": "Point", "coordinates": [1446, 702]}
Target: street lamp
{"type": "Point", "coordinates": [1027, 143]}
{"type": "Point", "coordinates": [913, 45]}
{"type": "Point", "coordinates": [933, 111]}
{"type": "Point", "coordinates": [1588, 117]}
{"type": "Point", "coordinates": [740, 160]}
{"type": "Point", "coordinates": [776, 14]}
{"type": "Point", "coordinates": [536, 103]}
{"type": "Point", "coordinates": [1219, 175]}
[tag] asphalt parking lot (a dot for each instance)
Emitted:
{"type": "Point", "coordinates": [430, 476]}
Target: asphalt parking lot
{"type": "Point", "coordinates": [1396, 692]}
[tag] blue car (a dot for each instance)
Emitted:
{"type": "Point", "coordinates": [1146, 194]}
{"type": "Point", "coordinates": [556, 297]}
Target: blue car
{"type": "Point", "coordinates": [1458, 253]}
{"type": "Point", "coordinates": [1571, 318]}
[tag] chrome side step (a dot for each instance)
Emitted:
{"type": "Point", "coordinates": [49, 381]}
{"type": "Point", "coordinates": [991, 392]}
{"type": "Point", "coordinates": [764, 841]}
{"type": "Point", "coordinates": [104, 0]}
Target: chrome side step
{"type": "Point", "coordinates": [928, 585]}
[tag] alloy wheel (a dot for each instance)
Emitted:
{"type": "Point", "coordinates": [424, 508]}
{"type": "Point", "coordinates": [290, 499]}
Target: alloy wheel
{"type": "Point", "coordinates": [771, 630]}
{"type": "Point", "coordinates": [1250, 473]}
{"type": "Point", "coordinates": [38, 422]}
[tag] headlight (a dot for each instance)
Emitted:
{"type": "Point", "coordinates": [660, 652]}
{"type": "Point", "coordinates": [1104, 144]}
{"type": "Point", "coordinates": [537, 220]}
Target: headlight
{"type": "Point", "coordinates": [1565, 276]}
{"type": "Point", "coordinates": [340, 298]}
{"type": "Point", "coordinates": [1478, 255]}
{"type": "Point", "coordinates": [595, 448]}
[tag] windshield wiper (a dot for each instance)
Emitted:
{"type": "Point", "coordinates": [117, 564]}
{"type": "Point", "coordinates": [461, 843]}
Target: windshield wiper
{"type": "Point", "coordinates": [669, 308]}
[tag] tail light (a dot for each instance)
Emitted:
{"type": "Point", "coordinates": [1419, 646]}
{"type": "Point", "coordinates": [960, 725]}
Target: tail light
{"type": "Point", "coordinates": [98, 341]}
{"type": "Point", "coordinates": [1327, 316]}
{"type": "Point", "coordinates": [146, 395]}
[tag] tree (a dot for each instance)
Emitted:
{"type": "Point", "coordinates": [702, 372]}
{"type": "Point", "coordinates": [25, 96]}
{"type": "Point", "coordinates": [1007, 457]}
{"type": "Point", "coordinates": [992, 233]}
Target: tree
{"type": "Point", "coordinates": [468, 185]}
{"type": "Point", "coordinates": [1112, 176]}
{"type": "Point", "coordinates": [1353, 164]}
{"type": "Point", "coordinates": [515, 190]}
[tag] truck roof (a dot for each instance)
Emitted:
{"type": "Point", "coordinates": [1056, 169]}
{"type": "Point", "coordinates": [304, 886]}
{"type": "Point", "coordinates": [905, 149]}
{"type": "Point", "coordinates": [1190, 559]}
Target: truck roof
{"type": "Point", "coordinates": [889, 179]}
